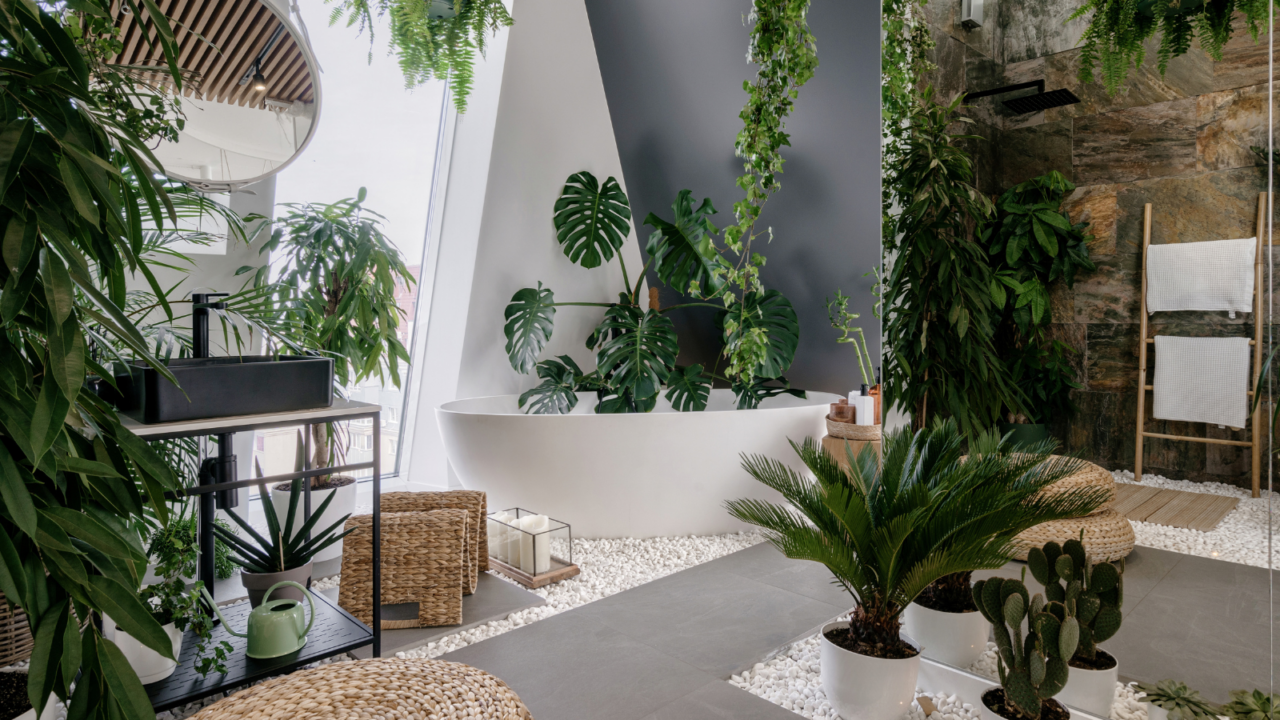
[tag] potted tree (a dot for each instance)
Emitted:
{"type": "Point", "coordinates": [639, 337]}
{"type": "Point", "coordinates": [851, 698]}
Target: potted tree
{"type": "Point", "coordinates": [1092, 593]}
{"type": "Point", "coordinates": [886, 531]}
{"type": "Point", "coordinates": [944, 617]}
{"type": "Point", "coordinates": [336, 276]}
{"type": "Point", "coordinates": [285, 554]}
{"type": "Point", "coordinates": [1031, 661]}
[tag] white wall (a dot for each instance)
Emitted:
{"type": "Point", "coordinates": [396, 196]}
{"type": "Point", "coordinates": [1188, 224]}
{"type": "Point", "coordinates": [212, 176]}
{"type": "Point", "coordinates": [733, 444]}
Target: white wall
{"type": "Point", "coordinates": [537, 115]}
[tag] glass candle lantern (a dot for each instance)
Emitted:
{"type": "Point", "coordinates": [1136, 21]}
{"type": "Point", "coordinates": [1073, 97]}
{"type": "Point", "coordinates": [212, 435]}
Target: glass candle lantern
{"type": "Point", "coordinates": [528, 542]}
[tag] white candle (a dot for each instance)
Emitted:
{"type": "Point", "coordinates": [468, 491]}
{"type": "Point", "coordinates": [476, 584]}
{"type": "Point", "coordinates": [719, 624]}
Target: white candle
{"type": "Point", "coordinates": [541, 544]}
{"type": "Point", "coordinates": [495, 536]}
{"type": "Point", "coordinates": [525, 557]}
{"type": "Point", "coordinates": [511, 553]}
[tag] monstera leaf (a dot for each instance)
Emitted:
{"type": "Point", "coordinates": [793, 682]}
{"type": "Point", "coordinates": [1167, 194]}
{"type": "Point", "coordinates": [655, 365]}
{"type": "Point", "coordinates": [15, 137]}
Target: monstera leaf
{"type": "Point", "coordinates": [688, 389]}
{"type": "Point", "coordinates": [750, 396]}
{"type": "Point", "coordinates": [624, 403]}
{"type": "Point", "coordinates": [557, 393]}
{"type": "Point", "coordinates": [639, 352]}
{"type": "Point", "coordinates": [530, 318]}
{"type": "Point", "coordinates": [772, 312]}
{"type": "Point", "coordinates": [591, 221]}
{"type": "Point", "coordinates": [683, 252]}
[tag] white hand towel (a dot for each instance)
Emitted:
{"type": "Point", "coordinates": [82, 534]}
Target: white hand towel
{"type": "Point", "coordinates": [1202, 380]}
{"type": "Point", "coordinates": [1213, 275]}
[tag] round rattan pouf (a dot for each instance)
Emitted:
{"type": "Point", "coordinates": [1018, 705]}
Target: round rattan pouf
{"type": "Point", "coordinates": [1108, 536]}
{"type": "Point", "coordinates": [384, 688]}
{"type": "Point", "coordinates": [1089, 475]}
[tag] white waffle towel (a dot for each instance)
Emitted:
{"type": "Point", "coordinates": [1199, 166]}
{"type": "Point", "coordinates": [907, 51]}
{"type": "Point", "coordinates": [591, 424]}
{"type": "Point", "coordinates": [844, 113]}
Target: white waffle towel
{"type": "Point", "coordinates": [1202, 380]}
{"type": "Point", "coordinates": [1213, 275]}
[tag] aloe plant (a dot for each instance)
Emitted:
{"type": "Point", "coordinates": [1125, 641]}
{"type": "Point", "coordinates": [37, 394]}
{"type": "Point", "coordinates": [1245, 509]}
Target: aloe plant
{"type": "Point", "coordinates": [283, 549]}
{"type": "Point", "coordinates": [636, 348]}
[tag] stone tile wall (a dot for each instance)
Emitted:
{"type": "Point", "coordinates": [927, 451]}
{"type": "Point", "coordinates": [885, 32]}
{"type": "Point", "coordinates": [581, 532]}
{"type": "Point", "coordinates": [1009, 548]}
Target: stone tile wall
{"type": "Point", "coordinates": [1180, 142]}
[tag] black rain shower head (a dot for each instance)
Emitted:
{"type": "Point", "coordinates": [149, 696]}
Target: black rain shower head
{"type": "Point", "coordinates": [1029, 103]}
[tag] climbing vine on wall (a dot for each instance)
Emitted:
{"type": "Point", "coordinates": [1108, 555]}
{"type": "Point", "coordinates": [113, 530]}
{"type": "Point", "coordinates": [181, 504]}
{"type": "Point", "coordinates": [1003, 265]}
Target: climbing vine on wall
{"type": "Point", "coordinates": [1114, 40]}
{"type": "Point", "coordinates": [437, 38]}
{"type": "Point", "coordinates": [787, 56]}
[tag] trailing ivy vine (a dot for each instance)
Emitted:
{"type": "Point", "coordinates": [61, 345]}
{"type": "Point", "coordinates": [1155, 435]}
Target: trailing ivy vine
{"type": "Point", "coordinates": [431, 39]}
{"type": "Point", "coordinates": [1114, 40]}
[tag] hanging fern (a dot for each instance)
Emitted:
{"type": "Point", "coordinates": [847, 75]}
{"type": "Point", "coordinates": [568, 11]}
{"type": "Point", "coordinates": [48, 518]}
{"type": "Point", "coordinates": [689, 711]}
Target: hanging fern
{"type": "Point", "coordinates": [425, 42]}
{"type": "Point", "coordinates": [1113, 41]}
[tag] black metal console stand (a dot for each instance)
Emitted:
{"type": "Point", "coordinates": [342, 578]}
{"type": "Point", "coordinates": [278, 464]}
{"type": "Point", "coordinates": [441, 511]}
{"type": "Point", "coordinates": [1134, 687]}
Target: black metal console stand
{"type": "Point", "coordinates": [335, 631]}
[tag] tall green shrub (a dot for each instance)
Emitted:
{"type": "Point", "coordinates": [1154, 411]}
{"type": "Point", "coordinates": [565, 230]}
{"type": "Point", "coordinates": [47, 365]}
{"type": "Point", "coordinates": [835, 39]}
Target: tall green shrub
{"type": "Point", "coordinates": [75, 484]}
{"type": "Point", "coordinates": [940, 320]}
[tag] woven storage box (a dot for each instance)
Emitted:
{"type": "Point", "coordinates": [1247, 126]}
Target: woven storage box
{"type": "Point", "coordinates": [15, 634]}
{"type": "Point", "coordinates": [850, 431]}
{"type": "Point", "coordinates": [424, 561]}
{"type": "Point", "coordinates": [473, 501]}
{"type": "Point", "coordinates": [1108, 536]}
{"type": "Point", "coordinates": [405, 689]}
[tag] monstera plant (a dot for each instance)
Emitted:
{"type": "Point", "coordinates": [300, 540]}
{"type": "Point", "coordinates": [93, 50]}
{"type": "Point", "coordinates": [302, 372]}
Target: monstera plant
{"type": "Point", "coordinates": [636, 347]}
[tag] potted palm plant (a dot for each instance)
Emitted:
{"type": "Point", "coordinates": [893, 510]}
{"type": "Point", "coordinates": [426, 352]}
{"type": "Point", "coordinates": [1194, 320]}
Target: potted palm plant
{"type": "Point", "coordinates": [336, 276]}
{"type": "Point", "coordinates": [887, 531]}
{"type": "Point", "coordinates": [285, 554]}
{"type": "Point", "coordinates": [944, 618]}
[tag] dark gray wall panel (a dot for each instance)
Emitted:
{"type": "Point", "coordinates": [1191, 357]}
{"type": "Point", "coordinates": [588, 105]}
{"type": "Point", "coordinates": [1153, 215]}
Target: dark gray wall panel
{"type": "Point", "coordinates": [673, 73]}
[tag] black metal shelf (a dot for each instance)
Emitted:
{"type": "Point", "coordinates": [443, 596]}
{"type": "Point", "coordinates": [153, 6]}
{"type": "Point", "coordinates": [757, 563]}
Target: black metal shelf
{"type": "Point", "coordinates": [334, 632]}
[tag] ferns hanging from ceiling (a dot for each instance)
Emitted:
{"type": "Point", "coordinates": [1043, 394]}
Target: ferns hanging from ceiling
{"type": "Point", "coordinates": [427, 42]}
{"type": "Point", "coordinates": [1113, 41]}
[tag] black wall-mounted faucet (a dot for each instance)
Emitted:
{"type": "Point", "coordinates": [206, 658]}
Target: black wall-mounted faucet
{"type": "Point", "coordinates": [200, 307]}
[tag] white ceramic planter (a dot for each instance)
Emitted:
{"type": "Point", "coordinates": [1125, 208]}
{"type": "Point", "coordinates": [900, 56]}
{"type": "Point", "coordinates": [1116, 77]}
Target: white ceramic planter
{"type": "Point", "coordinates": [343, 504]}
{"type": "Point", "coordinates": [957, 639]}
{"type": "Point", "coordinates": [50, 711]}
{"type": "Point", "coordinates": [1092, 691]}
{"type": "Point", "coordinates": [1155, 712]}
{"type": "Point", "coordinates": [629, 475]}
{"type": "Point", "coordinates": [150, 665]}
{"type": "Point", "coordinates": [987, 714]}
{"type": "Point", "coordinates": [860, 687]}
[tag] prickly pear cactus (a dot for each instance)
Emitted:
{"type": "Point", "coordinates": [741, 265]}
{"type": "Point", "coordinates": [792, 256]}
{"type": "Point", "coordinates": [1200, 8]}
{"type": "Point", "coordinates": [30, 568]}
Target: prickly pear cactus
{"type": "Point", "coordinates": [1092, 594]}
{"type": "Point", "coordinates": [1032, 667]}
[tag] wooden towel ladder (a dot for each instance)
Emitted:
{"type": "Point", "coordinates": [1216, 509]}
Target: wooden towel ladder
{"type": "Point", "coordinates": [1254, 445]}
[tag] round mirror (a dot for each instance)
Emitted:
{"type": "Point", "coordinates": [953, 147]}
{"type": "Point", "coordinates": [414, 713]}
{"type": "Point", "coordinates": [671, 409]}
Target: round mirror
{"type": "Point", "coordinates": [250, 92]}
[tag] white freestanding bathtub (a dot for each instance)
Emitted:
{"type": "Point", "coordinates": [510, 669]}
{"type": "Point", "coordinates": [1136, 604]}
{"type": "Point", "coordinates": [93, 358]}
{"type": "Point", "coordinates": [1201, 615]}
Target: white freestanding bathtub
{"type": "Point", "coordinates": [633, 475]}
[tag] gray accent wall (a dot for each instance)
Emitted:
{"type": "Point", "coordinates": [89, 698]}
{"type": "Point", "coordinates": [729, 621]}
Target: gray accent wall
{"type": "Point", "coordinates": [673, 72]}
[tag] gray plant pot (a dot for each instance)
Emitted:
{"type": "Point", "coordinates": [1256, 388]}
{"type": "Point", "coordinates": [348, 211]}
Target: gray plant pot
{"type": "Point", "coordinates": [258, 583]}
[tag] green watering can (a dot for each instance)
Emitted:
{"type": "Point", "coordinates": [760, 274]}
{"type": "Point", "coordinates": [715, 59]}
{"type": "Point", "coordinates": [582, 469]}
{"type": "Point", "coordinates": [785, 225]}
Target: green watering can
{"type": "Point", "coordinates": [275, 627]}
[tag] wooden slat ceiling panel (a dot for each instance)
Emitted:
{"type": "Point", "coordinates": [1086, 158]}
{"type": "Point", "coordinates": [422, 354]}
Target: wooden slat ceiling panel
{"type": "Point", "coordinates": [218, 41]}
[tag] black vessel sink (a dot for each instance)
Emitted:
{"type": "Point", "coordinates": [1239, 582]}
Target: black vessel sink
{"type": "Point", "coordinates": [225, 387]}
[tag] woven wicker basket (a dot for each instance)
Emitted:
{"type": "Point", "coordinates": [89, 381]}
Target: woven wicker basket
{"type": "Point", "coordinates": [424, 561]}
{"type": "Point", "coordinates": [849, 431]}
{"type": "Point", "coordinates": [1088, 476]}
{"type": "Point", "coordinates": [405, 689]}
{"type": "Point", "coordinates": [473, 501]}
{"type": "Point", "coordinates": [16, 641]}
{"type": "Point", "coordinates": [1108, 536]}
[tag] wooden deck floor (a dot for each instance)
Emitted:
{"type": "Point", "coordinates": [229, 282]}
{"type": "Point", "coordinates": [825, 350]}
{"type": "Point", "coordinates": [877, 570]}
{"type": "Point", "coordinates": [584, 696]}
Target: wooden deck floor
{"type": "Point", "coordinates": [1175, 508]}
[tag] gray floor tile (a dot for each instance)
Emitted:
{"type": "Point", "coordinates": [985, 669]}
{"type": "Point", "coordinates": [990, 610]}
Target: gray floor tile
{"type": "Point", "coordinates": [1204, 623]}
{"type": "Point", "coordinates": [493, 599]}
{"type": "Point", "coordinates": [570, 667]}
{"type": "Point", "coordinates": [755, 562]}
{"type": "Point", "coordinates": [812, 580]}
{"type": "Point", "coordinates": [716, 621]}
{"type": "Point", "coordinates": [718, 700]}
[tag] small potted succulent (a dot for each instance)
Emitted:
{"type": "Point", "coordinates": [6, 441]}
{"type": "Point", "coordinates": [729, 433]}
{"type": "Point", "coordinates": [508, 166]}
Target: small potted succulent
{"type": "Point", "coordinates": [1092, 594]}
{"type": "Point", "coordinates": [1170, 700]}
{"type": "Point", "coordinates": [1246, 705]}
{"type": "Point", "coordinates": [285, 554]}
{"type": "Point", "coordinates": [1031, 663]}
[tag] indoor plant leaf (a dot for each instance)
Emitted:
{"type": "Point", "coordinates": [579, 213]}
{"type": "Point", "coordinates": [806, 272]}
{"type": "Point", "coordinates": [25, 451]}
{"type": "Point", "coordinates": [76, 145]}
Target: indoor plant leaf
{"type": "Point", "coordinates": [751, 395]}
{"type": "Point", "coordinates": [688, 389]}
{"type": "Point", "coordinates": [530, 319]}
{"type": "Point", "coordinates": [557, 393]}
{"type": "Point", "coordinates": [640, 352]}
{"type": "Point", "coordinates": [683, 252]}
{"type": "Point", "coordinates": [592, 221]}
{"type": "Point", "coordinates": [772, 312]}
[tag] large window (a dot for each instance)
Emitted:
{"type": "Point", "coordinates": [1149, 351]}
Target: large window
{"type": "Point", "coordinates": [372, 133]}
